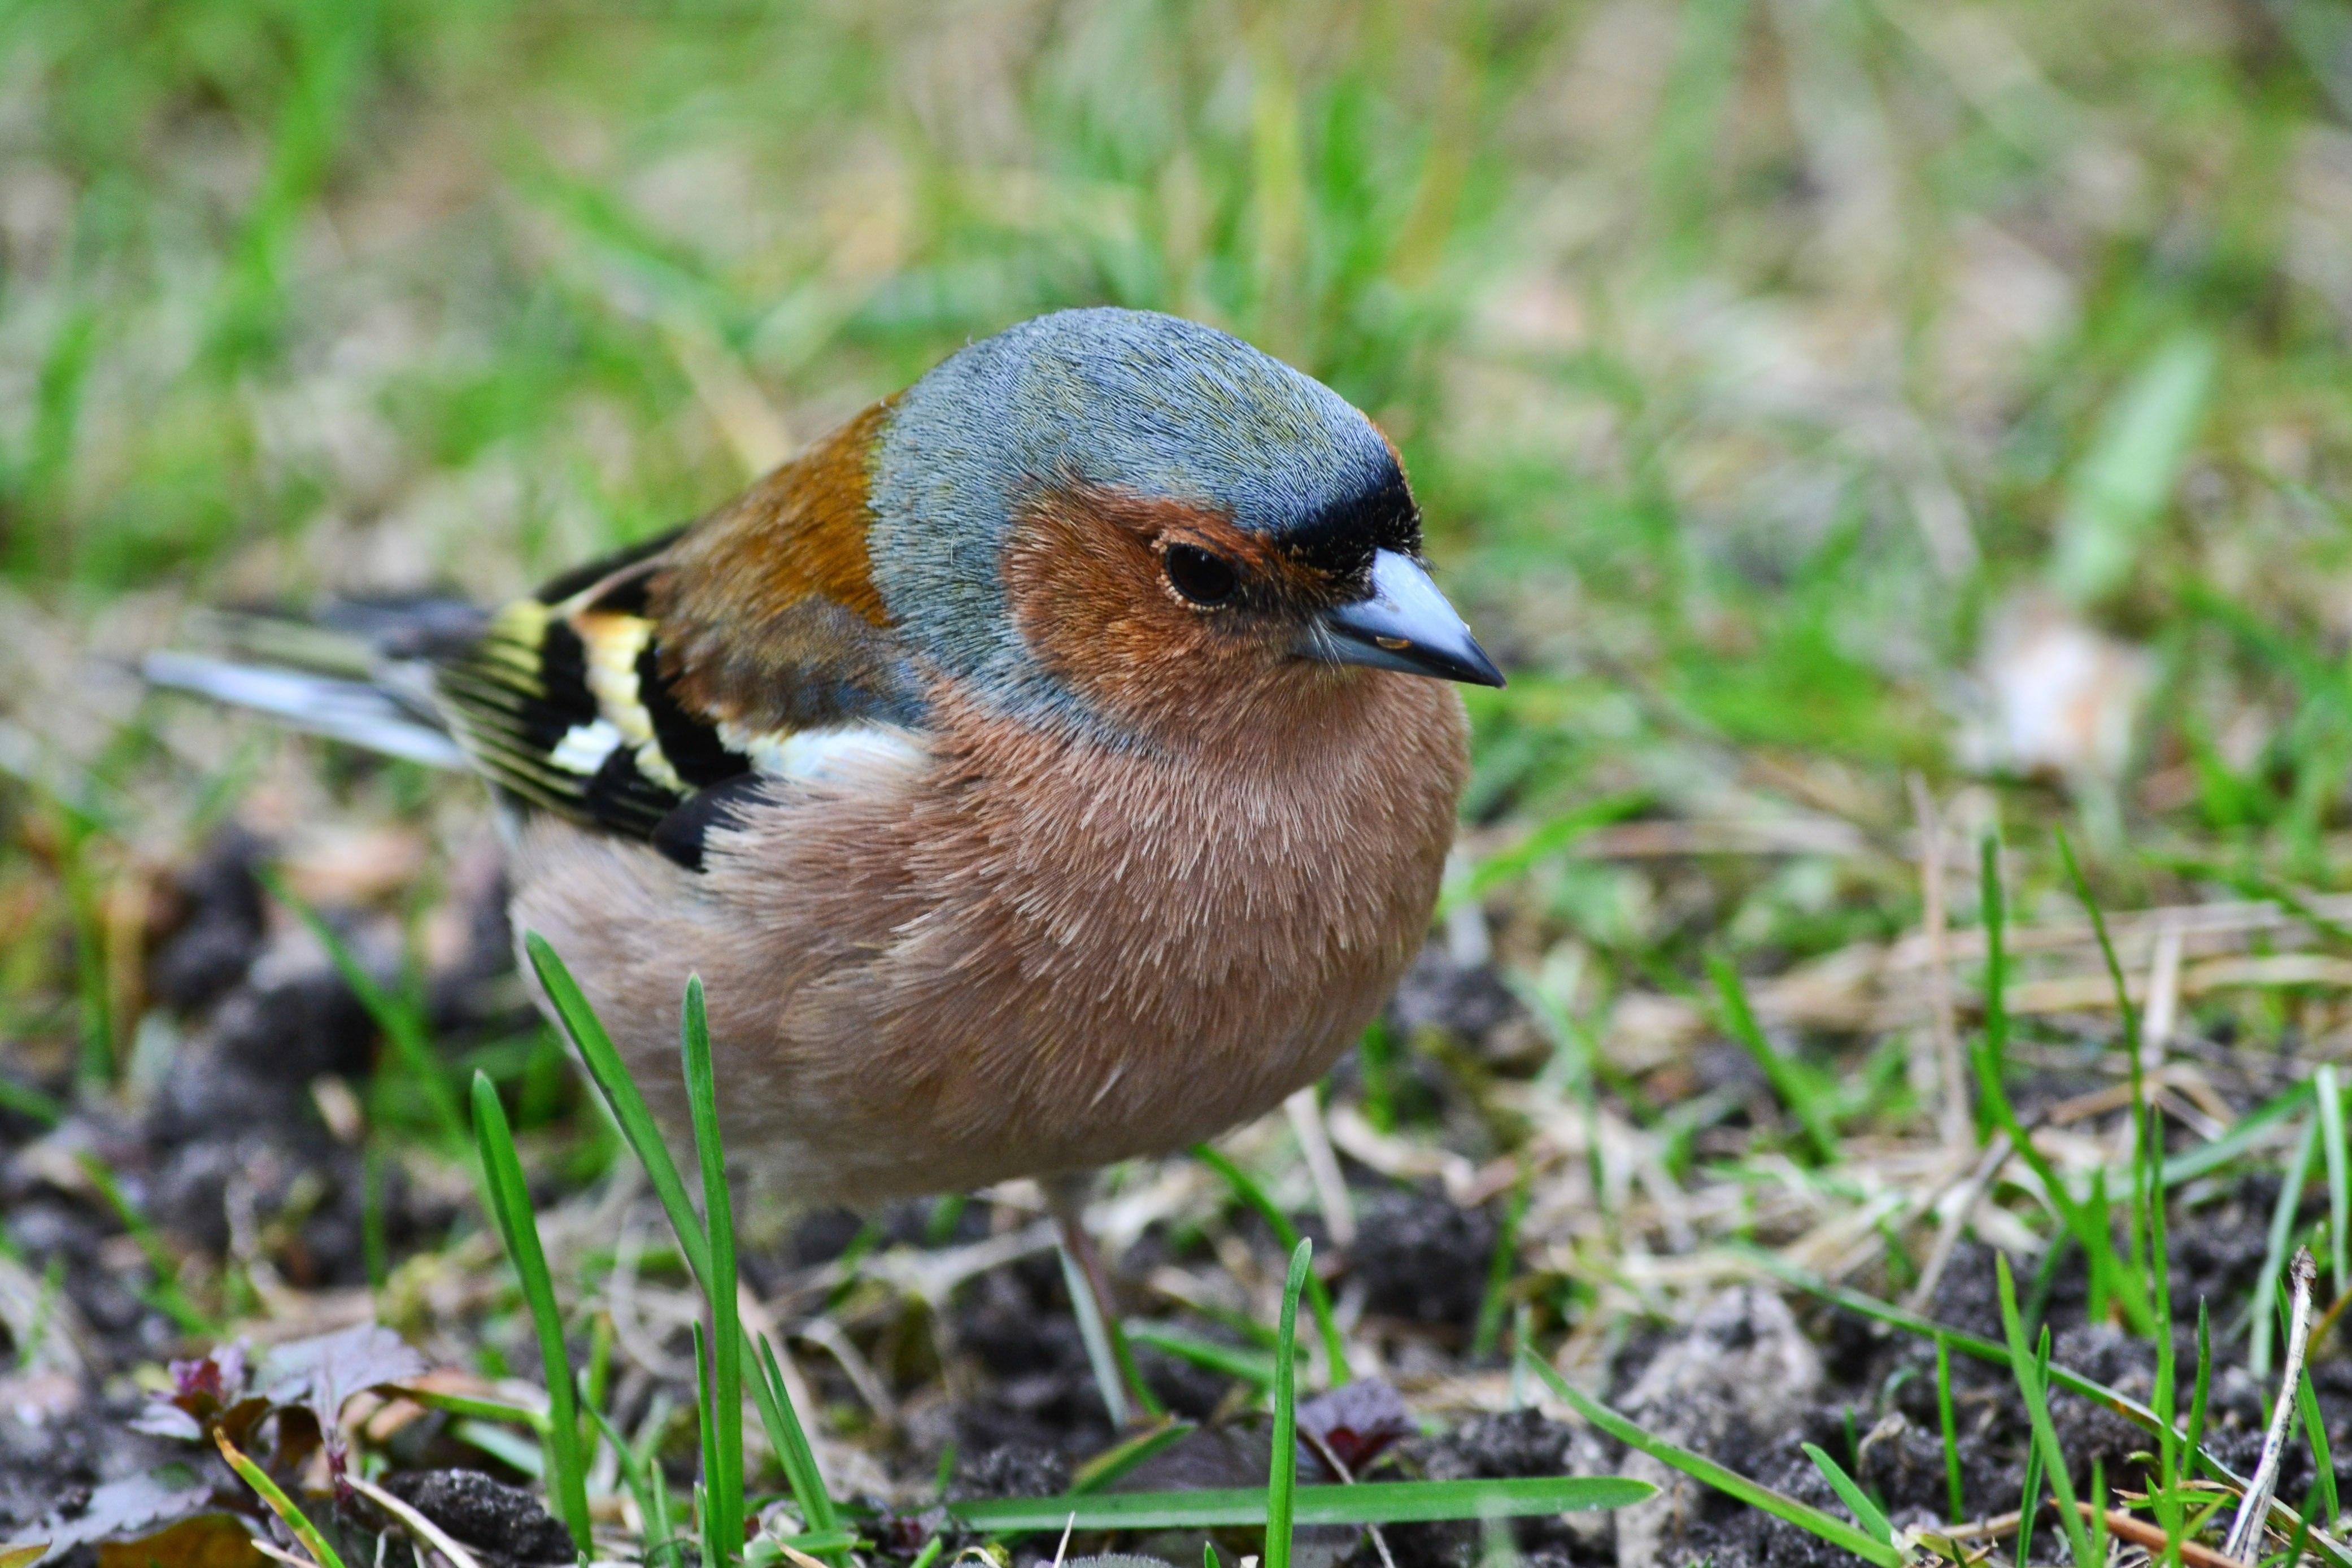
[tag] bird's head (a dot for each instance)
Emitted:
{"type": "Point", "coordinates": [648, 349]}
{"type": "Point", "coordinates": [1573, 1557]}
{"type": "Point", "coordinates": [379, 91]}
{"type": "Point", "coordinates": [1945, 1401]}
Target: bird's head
{"type": "Point", "coordinates": [1111, 517]}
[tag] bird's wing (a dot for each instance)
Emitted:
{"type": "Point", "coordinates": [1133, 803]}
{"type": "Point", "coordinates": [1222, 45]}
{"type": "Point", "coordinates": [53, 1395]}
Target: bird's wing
{"type": "Point", "coordinates": [644, 693]}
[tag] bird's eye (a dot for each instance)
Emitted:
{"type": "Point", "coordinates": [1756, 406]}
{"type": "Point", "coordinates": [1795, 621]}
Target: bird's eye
{"type": "Point", "coordinates": [1201, 575]}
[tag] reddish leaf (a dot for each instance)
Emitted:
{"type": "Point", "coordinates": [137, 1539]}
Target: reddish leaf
{"type": "Point", "coordinates": [318, 1374]}
{"type": "Point", "coordinates": [1357, 1422]}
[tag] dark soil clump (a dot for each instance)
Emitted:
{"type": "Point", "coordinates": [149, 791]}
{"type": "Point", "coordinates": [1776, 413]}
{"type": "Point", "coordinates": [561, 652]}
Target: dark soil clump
{"type": "Point", "coordinates": [501, 1521]}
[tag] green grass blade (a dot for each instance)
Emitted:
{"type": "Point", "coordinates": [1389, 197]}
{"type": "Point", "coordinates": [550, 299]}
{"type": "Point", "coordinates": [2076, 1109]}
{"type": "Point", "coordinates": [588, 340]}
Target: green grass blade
{"type": "Point", "coordinates": [1948, 1419]}
{"type": "Point", "coordinates": [281, 1505]}
{"type": "Point", "coordinates": [167, 1295]}
{"type": "Point", "coordinates": [1865, 1512]}
{"type": "Point", "coordinates": [707, 1510]}
{"type": "Point", "coordinates": [2280, 1242]}
{"type": "Point", "coordinates": [656, 1538]}
{"type": "Point", "coordinates": [1282, 1472]}
{"type": "Point", "coordinates": [474, 1406]}
{"type": "Point", "coordinates": [1790, 1084]}
{"type": "Point", "coordinates": [1500, 1265]}
{"type": "Point", "coordinates": [2327, 1093]}
{"type": "Point", "coordinates": [1230, 1361]}
{"type": "Point", "coordinates": [528, 1457]}
{"type": "Point", "coordinates": [2029, 1504]}
{"type": "Point", "coordinates": [1984, 1350]}
{"type": "Point", "coordinates": [2314, 1431]}
{"type": "Point", "coordinates": [2028, 1369]}
{"type": "Point", "coordinates": [722, 1465]}
{"type": "Point", "coordinates": [1123, 1459]}
{"type": "Point", "coordinates": [2089, 1231]}
{"type": "Point", "coordinates": [1366, 1502]}
{"type": "Point", "coordinates": [510, 1205]}
{"type": "Point", "coordinates": [403, 1027]}
{"type": "Point", "coordinates": [610, 1076]}
{"type": "Point", "coordinates": [2302, 1536]}
{"type": "Point", "coordinates": [1319, 1300]}
{"type": "Point", "coordinates": [1555, 837]}
{"type": "Point", "coordinates": [2116, 492]}
{"type": "Point", "coordinates": [2253, 885]}
{"type": "Point", "coordinates": [819, 1543]}
{"type": "Point", "coordinates": [1971, 1345]}
{"type": "Point", "coordinates": [2243, 1134]}
{"type": "Point", "coordinates": [1804, 1516]}
{"type": "Point", "coordinates": [2203, 1389]}
{"type": "Point", "coordinates": [30, 1102]}
{"type": "Point", "coordinates": [792, 1445]}
{"type": "Point", "coordinates": [2144, 1222]}
{"type": "Point", "coordinates": [1994, 1043]}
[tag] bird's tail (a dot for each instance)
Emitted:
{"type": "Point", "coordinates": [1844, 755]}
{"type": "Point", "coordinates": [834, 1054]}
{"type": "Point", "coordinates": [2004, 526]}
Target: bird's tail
{"type": "Point", "coordinates": [362, 672]}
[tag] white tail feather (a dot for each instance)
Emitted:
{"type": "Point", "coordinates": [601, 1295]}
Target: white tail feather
{"type": "Point", "coordinates": [353, 711]}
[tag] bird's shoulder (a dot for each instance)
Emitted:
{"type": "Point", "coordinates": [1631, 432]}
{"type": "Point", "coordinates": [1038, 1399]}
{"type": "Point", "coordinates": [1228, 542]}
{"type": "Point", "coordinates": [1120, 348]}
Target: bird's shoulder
{"type": "Point", "coordinates": [645, 693]}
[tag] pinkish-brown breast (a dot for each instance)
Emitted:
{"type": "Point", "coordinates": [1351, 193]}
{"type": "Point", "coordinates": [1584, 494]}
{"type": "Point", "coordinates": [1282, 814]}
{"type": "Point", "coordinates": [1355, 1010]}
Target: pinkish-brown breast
{"type": "Point", "coordinates": [1029, 955]}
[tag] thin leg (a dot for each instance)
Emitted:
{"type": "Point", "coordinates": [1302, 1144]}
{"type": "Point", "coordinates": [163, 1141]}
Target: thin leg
{"type": "Point", "coordinates": [1090, 1298]}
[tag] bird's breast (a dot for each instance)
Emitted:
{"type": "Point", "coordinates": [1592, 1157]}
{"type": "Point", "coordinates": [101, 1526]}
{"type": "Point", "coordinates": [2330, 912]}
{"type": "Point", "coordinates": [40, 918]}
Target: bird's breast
{"type": "Point", "coordinates": [1038, 956]}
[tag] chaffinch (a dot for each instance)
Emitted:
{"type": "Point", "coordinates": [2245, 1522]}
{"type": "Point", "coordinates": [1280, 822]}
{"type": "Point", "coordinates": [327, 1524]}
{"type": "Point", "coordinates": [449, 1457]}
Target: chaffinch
{"type": "Point", "coordinates": [1041, 769]}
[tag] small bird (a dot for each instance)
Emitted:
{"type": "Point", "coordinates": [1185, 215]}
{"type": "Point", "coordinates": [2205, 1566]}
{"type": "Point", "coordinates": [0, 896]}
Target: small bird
{"type": "Point", "coordinates": [1050, 766]}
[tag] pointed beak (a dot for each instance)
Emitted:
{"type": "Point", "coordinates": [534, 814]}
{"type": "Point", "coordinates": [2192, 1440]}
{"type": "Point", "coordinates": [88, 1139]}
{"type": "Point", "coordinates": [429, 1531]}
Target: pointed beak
{"type": "Point", "coordinates": [1406, 625]}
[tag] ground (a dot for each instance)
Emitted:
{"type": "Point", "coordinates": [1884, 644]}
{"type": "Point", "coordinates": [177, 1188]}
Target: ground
{"type": "Point", "coordinates": [1862, 431]}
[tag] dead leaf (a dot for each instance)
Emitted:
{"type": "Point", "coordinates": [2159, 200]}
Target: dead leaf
{"type": "Point", "coordinates": [207, 1540]}
{"type": "Point", "coordinates": [145, 1501]}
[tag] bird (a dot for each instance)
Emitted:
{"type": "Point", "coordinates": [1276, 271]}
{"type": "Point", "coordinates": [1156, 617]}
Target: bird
{"type": "Point", "coordinates": [1055, 764]}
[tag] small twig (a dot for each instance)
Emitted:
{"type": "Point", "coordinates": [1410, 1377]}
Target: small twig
{"type": "Point", "coordinates": [1993, 1529]}
{"type": "Point", "coordinates": [2123, 1526]}
{"type": "Point", "coordinates": [1947, 1235]}
{"type": "Point", "coordinates": [2140, 1532]}
{"type": "Point", "coordinates": [2254, 1506]}
{"type": "Point", "coordinates": [1306, 1113]}
{"type": "Point", "coordinates": [415, 1522]}
{"type": "Point", "coordinates": [1934, 919]}
{"type": "Point", "coordinates": [2163, 993]}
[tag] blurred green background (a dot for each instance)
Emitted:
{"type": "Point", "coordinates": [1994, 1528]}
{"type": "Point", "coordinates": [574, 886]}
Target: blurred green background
{"type": "Point", "coordinates": [1802, 394]}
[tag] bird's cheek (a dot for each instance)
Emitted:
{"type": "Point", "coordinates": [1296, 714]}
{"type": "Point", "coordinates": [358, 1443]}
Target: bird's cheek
{"type": "Point", "coordinates": [1091, 606]}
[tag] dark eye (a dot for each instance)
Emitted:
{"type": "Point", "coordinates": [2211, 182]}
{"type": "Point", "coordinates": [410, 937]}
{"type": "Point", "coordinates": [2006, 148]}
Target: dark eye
{"type": "Point", "coordinates": [1200, 575]}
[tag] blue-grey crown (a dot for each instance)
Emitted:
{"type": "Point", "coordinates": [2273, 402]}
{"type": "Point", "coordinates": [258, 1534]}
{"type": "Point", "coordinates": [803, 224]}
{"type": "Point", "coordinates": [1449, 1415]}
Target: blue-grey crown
{"type": "Point", "coordinates": [1152, 404]}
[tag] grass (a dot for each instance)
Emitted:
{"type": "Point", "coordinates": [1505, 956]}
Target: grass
{"type": "Point", "coordinates": [1319, 1299]}
{"type": "Point", "coordinates": [1762, 372]}
{"type": "Point", "coordinates": [707, 1248]}
{"type": "Point", "coordinates": [284, 1507]}
{"type": "Point", "coordinates": [1367, 1502]}
{"type": "Point", "coordinates": [509, 1203]}
{"type": "Point", "coordinates": [2050, 1462]}
{"type": "Point", "coordinates": [1282, 1481]}
{"type": "Point", "coordinates": [1861, 1543]}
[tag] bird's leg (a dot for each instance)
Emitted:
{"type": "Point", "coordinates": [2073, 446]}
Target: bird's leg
{"type": "Point", "coordinates": [1090, 1298]}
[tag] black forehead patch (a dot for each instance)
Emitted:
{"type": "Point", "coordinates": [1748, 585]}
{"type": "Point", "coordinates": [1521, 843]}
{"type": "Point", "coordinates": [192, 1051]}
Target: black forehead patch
{"type": "Point", "coordinates": [1340, 540]}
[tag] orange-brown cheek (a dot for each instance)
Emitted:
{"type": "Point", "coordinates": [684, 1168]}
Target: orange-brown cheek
{"type": "Point", "coordinates": [1089, 598]}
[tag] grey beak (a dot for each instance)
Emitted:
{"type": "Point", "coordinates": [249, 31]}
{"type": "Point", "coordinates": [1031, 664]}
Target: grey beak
{"type": "Point", "coordinates": [1405, 625]}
